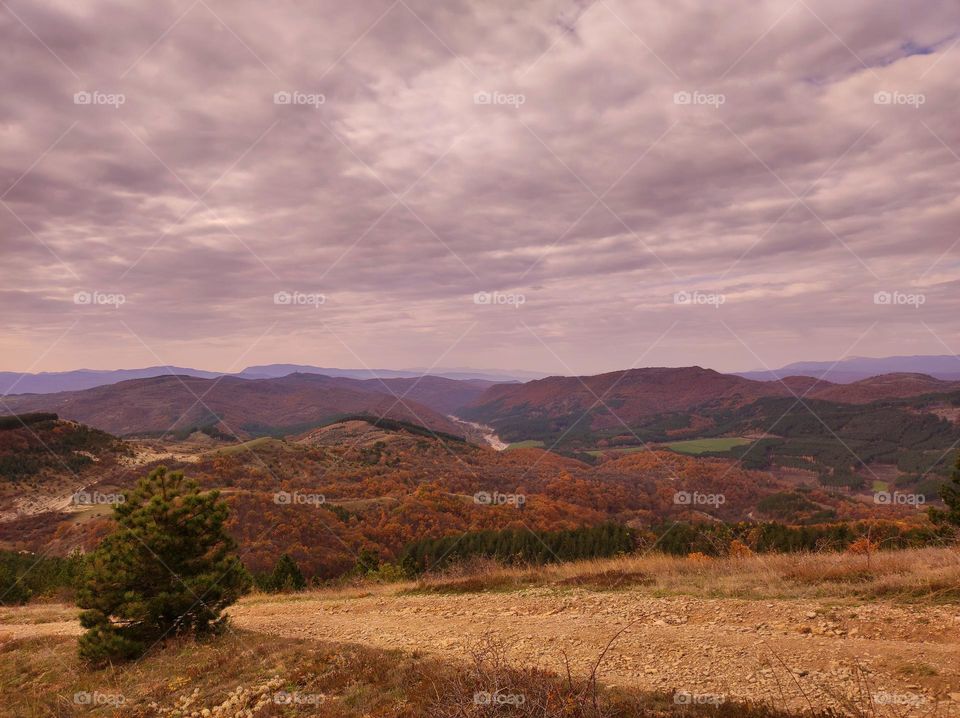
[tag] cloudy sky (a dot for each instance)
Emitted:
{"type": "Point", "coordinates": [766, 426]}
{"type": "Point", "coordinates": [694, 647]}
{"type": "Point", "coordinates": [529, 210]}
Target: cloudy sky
{"type": "Point", "coordinates": [551, 185]}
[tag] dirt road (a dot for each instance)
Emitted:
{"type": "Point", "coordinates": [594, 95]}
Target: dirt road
{"type": "Point", "coordinates": [796, 653]}
{"type": "Point", "coordinates": [905, 659]}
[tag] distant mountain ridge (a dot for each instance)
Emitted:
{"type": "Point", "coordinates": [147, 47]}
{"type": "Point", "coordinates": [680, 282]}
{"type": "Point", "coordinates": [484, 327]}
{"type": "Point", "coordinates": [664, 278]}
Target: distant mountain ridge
{"type": "Point", "coordinates": [12, 382]}
{"type": "Point", "coordinates": [252, 407]}
{"type": "Point", "coordinates": [851, 369]}
{"type": "Point", "coordinates": [253, 404]}
{"type": "Point", "coordinates": [846, 371]}
{"type": "Point", "coordinates": [621, 401]}
{"type": "Point", "coordinates": [79, 379]}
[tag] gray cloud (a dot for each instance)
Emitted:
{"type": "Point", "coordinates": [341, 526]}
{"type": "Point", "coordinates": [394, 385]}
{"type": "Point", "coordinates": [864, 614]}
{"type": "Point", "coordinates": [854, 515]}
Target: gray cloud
{"type": "Point", "coordinates": [585, 186]}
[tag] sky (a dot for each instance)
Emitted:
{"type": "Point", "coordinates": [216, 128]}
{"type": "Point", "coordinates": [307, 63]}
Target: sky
{"type": "Point", "coordinates": [560, 186]}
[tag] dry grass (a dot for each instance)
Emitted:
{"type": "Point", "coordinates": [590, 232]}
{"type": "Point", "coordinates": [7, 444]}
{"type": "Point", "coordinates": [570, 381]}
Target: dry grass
{"type": "Point", "coordinates": [39, 677]}
{"type": "Point", "coordinates": [931, 574]}
{"type": "Point", "coordinates": [242, 674]}
{"type": "Point", "coordinates": [37, 613]}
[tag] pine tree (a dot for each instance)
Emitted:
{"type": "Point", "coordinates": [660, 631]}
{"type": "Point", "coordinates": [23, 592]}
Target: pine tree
{"type": "Point", "coordinates": [950, 493]}
{"type": "Point", "coordinates": [168, 569]}
{"type": "Point", "coordinates": [287, 576]}
{"type": "Point", "coordinates": [368, 562]}
{"type": "Point", "coordinates": [13, 589]}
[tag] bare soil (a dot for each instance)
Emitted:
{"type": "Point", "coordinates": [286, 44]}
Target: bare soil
{"type": "Point", "coordinates": [892, 659]}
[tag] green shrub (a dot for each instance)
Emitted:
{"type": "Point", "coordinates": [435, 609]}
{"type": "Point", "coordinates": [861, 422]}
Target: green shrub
{"type": "Point", "coordinates": [168, 569]}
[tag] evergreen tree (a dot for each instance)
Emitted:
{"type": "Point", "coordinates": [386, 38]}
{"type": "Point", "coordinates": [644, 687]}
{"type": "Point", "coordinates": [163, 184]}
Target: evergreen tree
{"type": "Point", "coordinates": [13, 589]}
{"type": "Point", "coordinates": [287, 576]}
{"type": "Point", "coordinates": [367, 562]}
{"type": "Point", "coordinates": [950, 493]}
{"type": "Point", "coordinates": [168, 569]}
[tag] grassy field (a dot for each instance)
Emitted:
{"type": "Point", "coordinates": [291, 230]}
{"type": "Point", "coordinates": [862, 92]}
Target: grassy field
{"type": "Point", "coordinates": [528, 444]}
{"type": "Point", "coordinates": [702, 446]}
{"type": "Point", "coordinates": [258, 443]}
{"type": "Point", "coordinates": [918, 575]}
{"type": "Point", "coordinates": [927, 575]}
{"type": "Point", "coordinates": [617, 450]}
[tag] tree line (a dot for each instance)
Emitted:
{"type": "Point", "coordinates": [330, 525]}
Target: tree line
{"type": "Point", "coordinates": [716, 539]}
{"type": "Point", "coordinates": [518, 546]}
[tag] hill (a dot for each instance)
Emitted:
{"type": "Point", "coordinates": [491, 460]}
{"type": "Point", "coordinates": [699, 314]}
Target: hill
{"type": "Point", "coordinates": [362, 484]}
{"type": "Point", "coordinates": [443, 395]}
{"type": "Point", "coordinates": [242, 407]}
{"type": "Point", "coordinates": [79, 379]}
{"type": "Point", "coordinates": [658, 403]}
{"type": "Point", "coordinates": [548, 407]}
{"type": "Point", "coordinates": [885, 386]}
{"type": "Point", "coordinates": [853, 369]}
{"type": "Point", "coordinates": [43, 460]}
{"type": "Point", "coordinates": [49, 382]}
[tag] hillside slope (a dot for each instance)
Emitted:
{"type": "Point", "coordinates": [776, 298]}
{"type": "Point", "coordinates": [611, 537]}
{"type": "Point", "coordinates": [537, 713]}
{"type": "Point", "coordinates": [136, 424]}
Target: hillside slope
{"type": "Point", "coordinates": [886, 386]}
{"type": "Point", "coordinates": [853, 369]}
{"type": "Point", "coordinates": [674, 400]}
{"type": "Point", "coordinates": [632, 394]}
{"type": "Point", "coordinates": [234, 406]}
{"type": "Point", "coordinates": [384, 488]}
{"type": "Point", "coordinates": [44, 459]}
{"type": "Point", "coordinates": [443, 395]}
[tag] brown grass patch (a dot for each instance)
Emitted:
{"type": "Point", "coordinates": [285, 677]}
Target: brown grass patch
{"type": "Point", "coordinates": [608, 580]}
{"type": "Point", "coordinates": [930, 574]}
{"type": "Point", "coordinates": [243, 672]}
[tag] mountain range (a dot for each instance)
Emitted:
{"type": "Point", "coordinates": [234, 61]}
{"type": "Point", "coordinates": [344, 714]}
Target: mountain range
{"type": "Point", "coordinates": [253, 407]}
{"type": "Point", "coordinates": [50, 382]}
{"type": "Point", "coordinates": [668, 401]}
{"type": "Point", "coordinates": [857, 368]}
{"type": "Point", "coordinates": [660, 401]}
{"type": "Point", "coordinates": [390, 456]}
{"type": "Point", "coordinates": [842, 372]}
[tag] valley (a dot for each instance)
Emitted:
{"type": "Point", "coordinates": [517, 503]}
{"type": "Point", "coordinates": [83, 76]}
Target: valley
{"type": "Point", "coordinates": [394, 469]}
{"type": "Point", "coordinates": [480, 434]}
{"type": "Point", "coordinates": [700, 534]}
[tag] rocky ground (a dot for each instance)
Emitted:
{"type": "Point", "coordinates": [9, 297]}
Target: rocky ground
{"type": "Point", "coordinates": [900, 660]}
{"type": "Point", "coordinates": [794, 653]}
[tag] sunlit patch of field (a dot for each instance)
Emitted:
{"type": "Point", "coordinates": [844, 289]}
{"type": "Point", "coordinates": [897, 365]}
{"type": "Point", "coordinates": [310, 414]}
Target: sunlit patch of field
{"type": "Point", "coordinates": [528, 444]}
{"type": "Point", "coordinates": [702, 446]}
